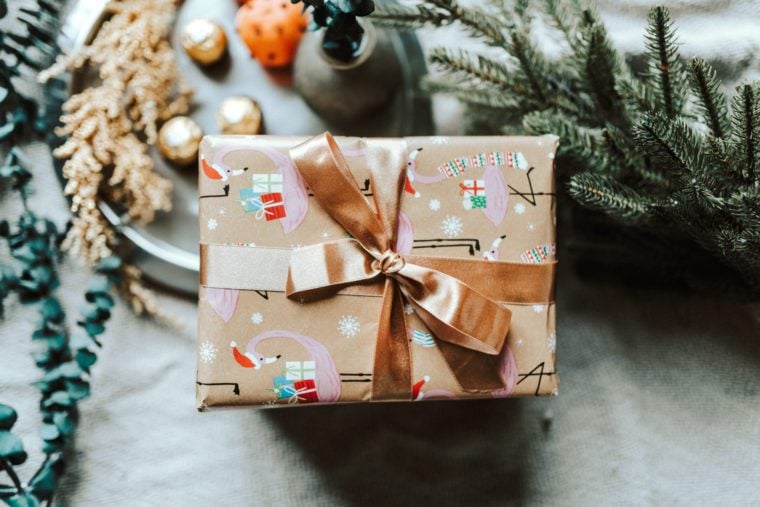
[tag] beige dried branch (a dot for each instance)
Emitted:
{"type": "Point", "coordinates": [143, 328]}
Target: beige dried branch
{"type": "Point", "coordinates": [105, 124]}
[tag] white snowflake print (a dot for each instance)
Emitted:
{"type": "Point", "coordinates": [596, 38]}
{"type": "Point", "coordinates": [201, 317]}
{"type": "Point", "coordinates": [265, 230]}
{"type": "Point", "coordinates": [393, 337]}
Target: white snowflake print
{"type": "Point", "coordinates": [207, 352]}
{"type": "Point", "coordinates": [408, 309]}
{"type": "Point", "coordinates": [552, 342]}
{"type": "Point", "coordinates": [520, 342]}
{"type": "Point", "coordinates": [531, 227]}
{"type": "Point", "coordinates": [451, 226]}
{"type": "Point", "coordinates": [325, 234]}
{"type": "Point", "coordinates": [257, 318]}
{"type": "Point", "coordinates": [434, 204]}
{"type": "Point", "coordinates": [538, 308]}
{"type": "Point", "coordinates": [348, 326]}
{"type": "Point", "coordinates": [212, 224]}
{"type": "Point", "coordinates": [551, 155]}
{"type": "Point", "coordinates": [222, 212]}
{"type": "Point", "coordinates": [439, 139]}
{"type": "Point", "coordinates": [519, 208]}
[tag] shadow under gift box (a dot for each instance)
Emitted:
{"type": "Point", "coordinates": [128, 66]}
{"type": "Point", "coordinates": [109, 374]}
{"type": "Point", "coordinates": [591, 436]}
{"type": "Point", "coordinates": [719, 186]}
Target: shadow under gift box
{"type": "Point", "coordinates": [488, 202]}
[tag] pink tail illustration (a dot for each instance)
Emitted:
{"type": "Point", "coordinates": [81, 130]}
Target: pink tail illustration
{"type": "Point", "coordinates": [223, 301]}
{"type": "Point", "coordinates": [294, 195]}
{"type": "Point", "coordinates": [497, 197]}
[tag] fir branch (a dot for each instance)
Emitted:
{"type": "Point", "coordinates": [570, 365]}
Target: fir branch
{"type": "Point", "coordinates": [624, 161]}
{"type": "Point", "coordinates": [642, 157]}
{"type": "Point", "coordinates": [578, 140]}
{"type": "Point", "coordinates": [640, 99]}
{"type": "Point", "coordinates": [409, 17]}
{"type": "Point", "coordinates": [605, 194]}
{"type": "Point", "coordinates": [745, 141]}
{"type": "Point", "coordinates": [532, 63]}
{"type": "Point", "coordinates": [473, 95]}
{"type": "Point", "coordinates": [601, 65]}
{"type": "Point", "coordinates": [710, 99]}
{"type": "Point", "coordinates": [564, 17]}
{"type": "Point", "coordinates": [665, 69]}
{"type": "Point", "coordinates": [478, 67]}
{"type": "Point", "coordinates": [670, 144]}
{"type": "Point", "coordinates": [477, 22]}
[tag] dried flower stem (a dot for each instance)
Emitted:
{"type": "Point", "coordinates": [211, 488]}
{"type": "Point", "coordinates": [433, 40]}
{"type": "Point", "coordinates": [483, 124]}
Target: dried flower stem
{"type": "Point", "coordinates": [105, 124]}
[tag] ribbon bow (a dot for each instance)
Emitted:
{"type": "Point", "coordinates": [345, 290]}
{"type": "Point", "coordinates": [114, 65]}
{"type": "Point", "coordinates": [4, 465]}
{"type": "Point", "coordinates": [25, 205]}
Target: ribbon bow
{"type": "Point", "coordinates": [470, 328]}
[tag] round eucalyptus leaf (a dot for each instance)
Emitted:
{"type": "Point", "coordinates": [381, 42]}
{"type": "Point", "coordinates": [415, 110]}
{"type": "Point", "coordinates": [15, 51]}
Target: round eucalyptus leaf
{"type": "Point", "coordinates": [8, 417]}
{"type": "Point", "coordinates": [49, 432]}
{"type": "Point", "coordinates": [12, 448]}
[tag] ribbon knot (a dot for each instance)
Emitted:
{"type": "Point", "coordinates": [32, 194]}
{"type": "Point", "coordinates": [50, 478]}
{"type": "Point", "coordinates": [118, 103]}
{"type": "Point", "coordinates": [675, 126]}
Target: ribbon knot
{"type": "Point", "coordinates": [390, 262]}
{"type": "Point", "coordinates": [470, 328]}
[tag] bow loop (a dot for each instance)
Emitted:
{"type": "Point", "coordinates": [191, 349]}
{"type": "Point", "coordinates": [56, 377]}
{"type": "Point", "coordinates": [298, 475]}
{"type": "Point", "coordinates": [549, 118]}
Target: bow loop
{"type": "Point", "coordinates": [470, 327]}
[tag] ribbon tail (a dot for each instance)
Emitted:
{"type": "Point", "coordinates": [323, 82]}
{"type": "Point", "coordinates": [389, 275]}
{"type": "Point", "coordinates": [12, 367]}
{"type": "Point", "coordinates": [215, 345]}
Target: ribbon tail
{"type": "Point", "coordinates": [470, 328]}
{"type": "Point", "coordinates": [392, 371]}
{"type": "Point", "coordinates": [475, 372]}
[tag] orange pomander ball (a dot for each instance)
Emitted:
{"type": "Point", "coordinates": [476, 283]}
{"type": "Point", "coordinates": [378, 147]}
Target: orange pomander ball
{"type": "Point", "coordinates": [271, 29]}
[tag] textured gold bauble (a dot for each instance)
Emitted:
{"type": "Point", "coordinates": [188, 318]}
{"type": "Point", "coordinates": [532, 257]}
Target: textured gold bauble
{"type": "Point", "coordinates": [204, 40]}
{"type": "Point", "coordinates": [239, 115]}
{"type": "Point", "coordinates": [178, 140]}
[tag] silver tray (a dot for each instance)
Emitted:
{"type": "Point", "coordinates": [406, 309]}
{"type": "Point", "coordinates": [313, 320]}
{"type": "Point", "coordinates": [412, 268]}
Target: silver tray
{"type": "Point", "coordinates": [167, 249]}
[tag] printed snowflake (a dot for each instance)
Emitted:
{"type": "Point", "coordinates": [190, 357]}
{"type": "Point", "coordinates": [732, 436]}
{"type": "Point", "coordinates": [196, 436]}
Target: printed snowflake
{"type": "Point", "coordinates": [434, 204]}
{"type": "Point", "coordinates": [520, 342]}
{"type": "Point", "coordinates": [325, 234]}
{"type": "Point", "coordinates": [519, 208]}
{"type": "Point", "coordinates": [551, 155]}
{"type": "Point", "coordinates": [207, 352]}
{"type": "Point", "coordinates": [222, 212]}
{"type": "Point", "coordinates": [257, 318]}
{"type": "Point", "coordinates": [348, 326]}
{"type": "Point", "coordinates": [408, 309]}
{"type": "Point", "coordinates": [552, 342]}
{"type": "Point", "coordinates": [439, 140]}
{"type": "Point", "coordinates": [451, 226]}
{"type": "Point", "coordinates": [212, 224]}
{"type": "Point", "coordinates": [531, 227]}
{"type": "Point", "coordinates": [538, 308]}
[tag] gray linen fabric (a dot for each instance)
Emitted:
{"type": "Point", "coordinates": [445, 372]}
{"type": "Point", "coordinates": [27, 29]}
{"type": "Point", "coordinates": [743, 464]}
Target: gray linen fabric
{"type": "Point", "coordinates": [659, 401]}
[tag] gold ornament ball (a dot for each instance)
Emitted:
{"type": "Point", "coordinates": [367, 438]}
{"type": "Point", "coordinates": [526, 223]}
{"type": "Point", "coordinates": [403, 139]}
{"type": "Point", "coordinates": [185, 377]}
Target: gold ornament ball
{"type": "Point", "coordinates": [178, 140]}
{"type": "Point", "coordinates": [239, 115]}
{"type": "Point", "coordinates": [204, 40]}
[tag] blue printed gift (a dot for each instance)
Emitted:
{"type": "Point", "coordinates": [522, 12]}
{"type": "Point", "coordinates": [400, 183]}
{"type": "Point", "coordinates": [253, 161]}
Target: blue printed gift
{"type": "Point", "coordinates": [283, 388]}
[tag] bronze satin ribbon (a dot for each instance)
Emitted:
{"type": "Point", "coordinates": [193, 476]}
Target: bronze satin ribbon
{"type": "Point", "coordinates": [528, 284]}
{"type": "Point", "coordinates": [470, 328]}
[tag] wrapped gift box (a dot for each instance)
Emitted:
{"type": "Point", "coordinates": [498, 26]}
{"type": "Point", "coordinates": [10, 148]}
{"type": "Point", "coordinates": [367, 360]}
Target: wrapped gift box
{"type": "Point", "coordinates": [336, 347]}
{"type": "Point", "coordinates": [267, 183]}
{"type": "Point", "coordinates": [283, 388]}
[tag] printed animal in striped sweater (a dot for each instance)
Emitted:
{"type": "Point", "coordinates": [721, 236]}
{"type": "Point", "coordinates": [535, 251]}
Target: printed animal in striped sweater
{"type": "Point", "coordinates": [493, 253]}
{"type": "Point", "coordinates": [496, 195]}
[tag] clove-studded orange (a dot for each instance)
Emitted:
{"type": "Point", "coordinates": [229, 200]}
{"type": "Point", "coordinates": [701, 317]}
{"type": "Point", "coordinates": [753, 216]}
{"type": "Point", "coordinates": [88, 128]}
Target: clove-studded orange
{"type": "Point", "coordinates": [272, 30]}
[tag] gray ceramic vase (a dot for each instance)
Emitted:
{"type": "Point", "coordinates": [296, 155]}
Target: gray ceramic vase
{"type": "Point", "coordinates": [344, 94]}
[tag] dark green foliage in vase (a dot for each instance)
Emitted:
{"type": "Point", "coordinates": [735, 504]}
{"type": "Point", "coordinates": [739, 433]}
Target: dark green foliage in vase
{"type": "Point", "coordinates": [666, 166]}
{"type": "Point", "coordinates": [343, 33]}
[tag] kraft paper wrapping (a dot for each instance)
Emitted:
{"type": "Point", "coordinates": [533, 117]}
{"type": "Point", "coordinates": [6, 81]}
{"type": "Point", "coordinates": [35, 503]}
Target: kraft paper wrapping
{"type": "Point", "coordinates": [257, 347]}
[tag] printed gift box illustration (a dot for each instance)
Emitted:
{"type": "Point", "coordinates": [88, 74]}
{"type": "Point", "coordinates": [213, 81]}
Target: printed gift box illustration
{"type": "Point", "coordinates": [357, 270]}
